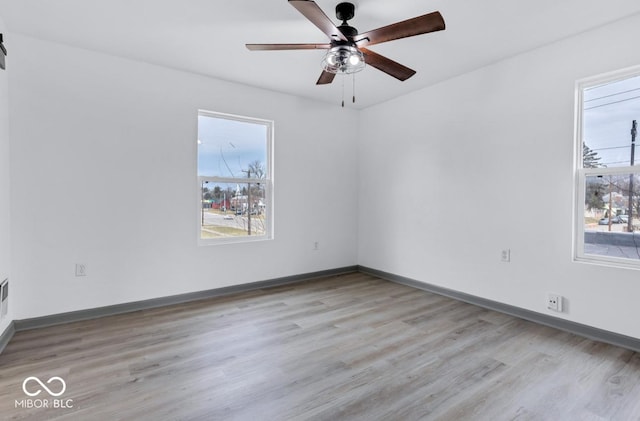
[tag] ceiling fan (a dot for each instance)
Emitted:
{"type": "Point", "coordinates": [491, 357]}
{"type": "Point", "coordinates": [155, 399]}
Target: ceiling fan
{"type": "Point", "coordinates": [346, 52]}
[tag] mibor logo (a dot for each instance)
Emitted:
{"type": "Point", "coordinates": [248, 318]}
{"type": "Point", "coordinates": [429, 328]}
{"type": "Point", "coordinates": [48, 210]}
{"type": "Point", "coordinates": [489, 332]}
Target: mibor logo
{"type": "Point", "coordinates": [54, 387]}
{"type": "Point", "coordinates": [63, 386]}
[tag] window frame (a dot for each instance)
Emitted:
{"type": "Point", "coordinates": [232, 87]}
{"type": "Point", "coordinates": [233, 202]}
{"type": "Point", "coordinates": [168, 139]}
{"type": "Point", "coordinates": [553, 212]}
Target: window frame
{"type": "Point", "coordinates": [582, 173]}
{"type": "Point", "coordinates": [267, 181]}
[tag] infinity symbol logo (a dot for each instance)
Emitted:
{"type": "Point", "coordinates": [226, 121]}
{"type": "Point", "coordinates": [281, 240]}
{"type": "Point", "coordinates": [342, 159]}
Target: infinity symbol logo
{"type": "Point", "coordinates": [43, 386]}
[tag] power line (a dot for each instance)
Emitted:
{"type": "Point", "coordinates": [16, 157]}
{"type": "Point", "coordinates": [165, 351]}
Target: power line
{"type": "Point", "coordinates": [612, 147]}
{"type": "Point", "coordinates": [617, 93]}
{"type": "Point", "coordinates": [611, 103]}
{"type": "Point", "coordinates": [615, 162]}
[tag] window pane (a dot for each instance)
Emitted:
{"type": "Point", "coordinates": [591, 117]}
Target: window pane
{"type": "Point", "coordinates": [608, 228]}
{"type": "Point", "coordinates": [608, 112]}
{"type": "Point", "coordinates": [231, 148]}
{"type": "Point", "coordinates": [233, 210]}
{"type": "Point", "coordinates": [234, 178]}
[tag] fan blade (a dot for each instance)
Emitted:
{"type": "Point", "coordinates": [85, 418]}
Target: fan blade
{"type": "Point", "coordinates": [325, 78]}
{"type": "Point", "coordinates": [424, 24]}
{"type": "Point", "coordinates": [311, 11]}
{"type": "Point", "coordinates": [387, 65]}
{"type": "Point", "coordinates": [271, 47]}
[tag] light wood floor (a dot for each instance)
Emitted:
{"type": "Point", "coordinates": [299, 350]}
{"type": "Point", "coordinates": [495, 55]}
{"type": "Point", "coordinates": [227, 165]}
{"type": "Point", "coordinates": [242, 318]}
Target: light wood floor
{"type": "Point", "coordinates": [341, 348]}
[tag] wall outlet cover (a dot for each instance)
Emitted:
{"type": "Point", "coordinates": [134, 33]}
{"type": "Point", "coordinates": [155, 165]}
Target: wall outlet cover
{"type": "Point", "coordinates": [554, 302]}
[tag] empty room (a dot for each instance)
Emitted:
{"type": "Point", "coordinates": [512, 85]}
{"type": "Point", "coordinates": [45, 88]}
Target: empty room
{"type": "Point", "coordinates": [319, 210]}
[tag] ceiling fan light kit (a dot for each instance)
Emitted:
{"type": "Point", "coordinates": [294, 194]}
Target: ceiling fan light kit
{"type": "Point", "coordinates": [343, 59]}
{"type": "Point", "coordinates": [346, 48]}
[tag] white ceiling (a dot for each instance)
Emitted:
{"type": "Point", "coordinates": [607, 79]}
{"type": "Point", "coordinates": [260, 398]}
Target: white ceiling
{"type": "Point", "coordinates": [208, 36]}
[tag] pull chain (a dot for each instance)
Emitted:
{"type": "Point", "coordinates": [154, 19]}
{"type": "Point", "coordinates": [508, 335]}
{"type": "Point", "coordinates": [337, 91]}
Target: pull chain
{"type": "Point", "coordinates": [354, 88]}
{"type": "Point", "coordinates": [342, 91]}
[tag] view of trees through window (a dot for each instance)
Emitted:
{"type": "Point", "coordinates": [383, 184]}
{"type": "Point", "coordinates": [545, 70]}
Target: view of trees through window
{"type": "Point", "coordinates": [234, 177]}
{"type": "Point", "coordinates": [609, 176]}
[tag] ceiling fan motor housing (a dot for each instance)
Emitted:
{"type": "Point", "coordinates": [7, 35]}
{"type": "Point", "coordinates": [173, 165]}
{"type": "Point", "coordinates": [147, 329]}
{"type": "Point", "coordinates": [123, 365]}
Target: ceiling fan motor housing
{"type": "Point", "coordinates": [345, 11]}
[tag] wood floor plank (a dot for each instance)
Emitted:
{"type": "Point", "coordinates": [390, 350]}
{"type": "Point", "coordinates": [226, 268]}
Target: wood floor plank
{"type": "Point", "coordinates": [348, 347]}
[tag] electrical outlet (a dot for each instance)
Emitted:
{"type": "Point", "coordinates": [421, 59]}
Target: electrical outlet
{"type": "Point", "coordinates": [554, 302]}
{"type": "Point", "coordinates": [316, 245]}
{"type": "Point", "coordinates": [506, 255]}
{"type": "Point", "coordinates": [81, 269]}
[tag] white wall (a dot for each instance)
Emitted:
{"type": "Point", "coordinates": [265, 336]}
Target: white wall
{"type": "Point", "coordinates": [484, 161]}
{"type": "Point", "coordinates": [4, 181]}
{"type": "Point", "coordinates": [103, 173]}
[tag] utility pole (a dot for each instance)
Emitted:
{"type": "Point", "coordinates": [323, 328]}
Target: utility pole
{"type": "Point", "coordinates": [202, 202]}
{"type": "Point", "coordinates": [634, 131]}
{"type": "Point", "coordinates": [610, 200]}
{"type": "Point", "coordinates": [248, 202]}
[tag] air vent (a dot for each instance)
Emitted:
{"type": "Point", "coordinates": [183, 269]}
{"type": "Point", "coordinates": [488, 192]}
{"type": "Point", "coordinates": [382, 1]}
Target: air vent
{"type": "Point", "coordinates": [4, 295]}
{"type": "Point", "coordinates": [3, 53]}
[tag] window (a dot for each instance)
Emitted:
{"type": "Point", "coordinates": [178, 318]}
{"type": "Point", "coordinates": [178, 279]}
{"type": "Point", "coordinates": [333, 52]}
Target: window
{"type": "Point", "coordinates": [234, 178]}
{"type": "Point", "coordinates": [607, 226]}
